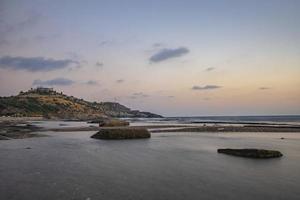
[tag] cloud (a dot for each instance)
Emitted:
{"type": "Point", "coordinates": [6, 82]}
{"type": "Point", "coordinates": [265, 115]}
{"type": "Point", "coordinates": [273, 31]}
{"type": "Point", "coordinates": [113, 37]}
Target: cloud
{"type": "Point", "coordinates": [8, 29]}
{"type": "Point", "coordinates": [4, 42]}
{"type": "Point", "coordinates": [92, 82]}
{"type": "Point", "coordinates": [138, 95]}
{"type": "Point", "coordinates": [210, 69]}
{"type": "Point", "coordinates": [99, 64]}
{"type": "Point", "coordinates": [34, 64]}
{"type": "Point", "coordinates": [77, 58]}
{"type": "Point", "coordinates": [264, 88]}
{"type": "Point", "coordinates": [206, 87]}
{"type": "Point", "coordinates": [28, 22]}
{"type": "Point", "coordinates": [41, 38]}
{"type": "Point", "coordinates": [120, 81]}
{"type": "Point", "coordinates": [106, 43]}
{"type": "Point", "coordinates": [165, 54]}
{"type": "Point", "coordinates": [53, 82]}
{"type": "Point", "coordinates": [157, 44]}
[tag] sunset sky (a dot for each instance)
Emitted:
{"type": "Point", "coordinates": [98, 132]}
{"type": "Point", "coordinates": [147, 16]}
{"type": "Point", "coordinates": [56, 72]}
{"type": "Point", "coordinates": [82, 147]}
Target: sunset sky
{"type": "Point", "coordinates": [175, 58]}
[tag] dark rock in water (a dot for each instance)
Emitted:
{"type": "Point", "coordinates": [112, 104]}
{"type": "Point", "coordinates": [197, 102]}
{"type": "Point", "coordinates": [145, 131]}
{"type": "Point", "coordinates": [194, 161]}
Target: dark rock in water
{"type": "Point", "coordinates": [107, 122]}
{"type": "Point", "coordinates": [282, 138]}
{"type": "Point", "coordinates": [251, 153]}
{"type": "Point", "coordinates": [95, 121]}
{"type": "Point", "coordinates": [17, 130]}
{"type": "Point", "coordinates": [122, 133]}
{"type": "Point", "coordinates": [3, 137]}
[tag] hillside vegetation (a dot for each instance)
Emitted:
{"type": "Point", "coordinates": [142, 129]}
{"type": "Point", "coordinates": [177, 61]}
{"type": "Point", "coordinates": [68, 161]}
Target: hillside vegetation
{"type": "Point", "coordinates": [45, 102]}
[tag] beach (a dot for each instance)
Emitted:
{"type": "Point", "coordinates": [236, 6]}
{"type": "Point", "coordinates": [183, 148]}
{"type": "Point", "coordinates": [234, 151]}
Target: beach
{"type": "Point", "coordinates": [170, 165]}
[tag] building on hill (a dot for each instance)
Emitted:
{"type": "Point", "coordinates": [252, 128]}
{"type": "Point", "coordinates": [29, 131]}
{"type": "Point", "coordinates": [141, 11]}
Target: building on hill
{"type": "Point", "coordinates": [39, 90]}
{"type": "Point", "coordinates": [44, 90]}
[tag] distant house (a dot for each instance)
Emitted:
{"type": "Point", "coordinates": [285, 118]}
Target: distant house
{"type": "Point", "coordinates": [44, 90]}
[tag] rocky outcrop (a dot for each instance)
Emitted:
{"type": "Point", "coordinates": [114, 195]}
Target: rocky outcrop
{"type": "Point", "coordinates": [252, 153]}
{"type": "Point", "coordinates": [48, 103]}
{"type": "Point", "coordinates": [4, 137]}
{"type": "Point", "coordinates": [15, 130]}
{"type": "Point", "coordinates": [114, 109]}
{"type": "Point", "coordinates": [122, 133]}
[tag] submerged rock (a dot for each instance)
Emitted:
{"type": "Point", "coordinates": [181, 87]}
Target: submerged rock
{"type": "Point", "coordinates": [18, 130]}
{"type": "Point", "coordinates": [252, 153]}
{"type": "Point", "coordinates": [122, 133]}
{"type": "Point", "coordinates": [3, 137]}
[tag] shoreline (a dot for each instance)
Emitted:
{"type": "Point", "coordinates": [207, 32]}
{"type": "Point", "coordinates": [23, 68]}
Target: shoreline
{"type": "Point", "coordinates": [16, 129]}
{"type": "Point", "coordinates": [20, 128]}
{"type": "Point", "coordinates": [284, 129]}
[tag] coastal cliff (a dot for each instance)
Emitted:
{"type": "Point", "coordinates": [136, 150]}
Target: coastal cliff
{"type": "Point", "coordinates": [47, 103]}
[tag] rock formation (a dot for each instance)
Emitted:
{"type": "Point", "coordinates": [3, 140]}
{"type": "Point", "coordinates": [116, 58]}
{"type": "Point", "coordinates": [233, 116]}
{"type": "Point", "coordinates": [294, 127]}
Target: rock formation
{"type": "Point", "coordinates": [48, 103]}
{"type": "Point", "coordinates": [251, 153]}
{"type": "Point", "coordinates": [122, 133]}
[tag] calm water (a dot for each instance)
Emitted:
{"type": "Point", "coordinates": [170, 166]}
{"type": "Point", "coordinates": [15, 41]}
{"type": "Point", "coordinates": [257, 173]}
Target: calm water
{"type": "Point", "coordinates": [167, 166]}
{"type": "Point", "coordinates": [274, 120]}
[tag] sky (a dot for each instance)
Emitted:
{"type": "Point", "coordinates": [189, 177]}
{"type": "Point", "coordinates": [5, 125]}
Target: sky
{"type": "Point", "coordinates": [170, 57]}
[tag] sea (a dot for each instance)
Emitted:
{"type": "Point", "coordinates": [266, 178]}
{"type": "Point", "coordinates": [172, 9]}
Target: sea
{"type": "Point", "coordinates": [172, 165]}
{"type": "Point", "coordinates": [231, 120]}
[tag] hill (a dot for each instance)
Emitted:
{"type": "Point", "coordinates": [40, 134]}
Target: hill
{"type": "Point", "coordinates": [47, 103]}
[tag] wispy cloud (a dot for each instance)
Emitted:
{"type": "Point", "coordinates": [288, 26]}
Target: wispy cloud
{"type": "Point", "coordinates": [138, 95]}
{"type": "Point", "coordinates": [92, 82]}
{"type": "Point", "coordinates": [106, 43]}
{"type": "Point", "coordinates": [157, 44]}
{"type": "Point", "coordinates": [28, 22]}
{"type": "Point", "coordinates": [120, 81]}
{"type": "Point", "coordinates": [206, 87]}
{"type": "Point", "coordinates": [46, 37]}
{"type": "Point", "coordinates": [210, 69]}
{"type": "Point", "coordinates": [99, 64]}
{"type": "Point", "coordinates": [34, 64]}
{"type": "Point", "coordinates": [165, 54]}
{"type": "Point", "coordinates": [264, 88]}
{"type": "Point", "coordinates": [4, 42]}
{"type": "Point", "coordinates": [53, 82]}
{"type": "Point", "coordinates": [9, 29]}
